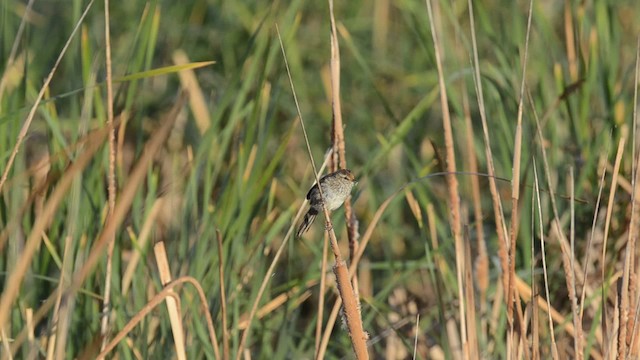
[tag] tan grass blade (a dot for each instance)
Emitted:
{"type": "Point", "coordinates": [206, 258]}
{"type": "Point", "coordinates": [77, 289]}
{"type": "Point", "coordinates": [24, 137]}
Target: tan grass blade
{"type": "Point", "coordinates": [173, 306]}
{"type": "Point", "coordinates": [501, 230]}
{"type": "Point", "coordinates": [515, 189]}
{"type": "Point", "coordinates": [111, 179]}
{"type": "Point", "coordinates": [635, 337]}
{"type": "Point", "coordinates": [610, 204]}
{"type": "Point", "coordinates": [554, 346]}
{"type": "Point", "coordinates": [197, 101]}
{"type": "Point", "coordinates": [452, 184]}
{"type": "Point", "coordinates": [223, 299]}
{"type": "Point", "coordinates": [323, 286]}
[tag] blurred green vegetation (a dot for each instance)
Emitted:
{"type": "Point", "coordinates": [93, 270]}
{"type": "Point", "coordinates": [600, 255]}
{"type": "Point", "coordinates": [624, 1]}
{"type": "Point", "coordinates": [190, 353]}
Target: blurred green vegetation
{"type": "Point", "coordinates": [248, 173]}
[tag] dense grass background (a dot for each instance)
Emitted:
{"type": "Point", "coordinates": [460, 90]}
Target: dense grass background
{"type": "Point", "coordinates": [247, 174]}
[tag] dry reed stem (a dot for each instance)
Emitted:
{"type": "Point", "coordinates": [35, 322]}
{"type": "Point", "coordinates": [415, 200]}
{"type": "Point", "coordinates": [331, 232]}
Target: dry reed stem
{"type": "Point", "coordinates": [5, 343]}
{"type": "Point", "coordinates": [596, 211]}
{"type": "Point", "coordinates": [607, 222]}
{"type": "Point", "coordinates": [173, 306]}
{"type": "Point", "coordinates": [474, 351]}
{"type": "Point", "coordinates": [351, 305]}
{"type": "Point", "coordinates": [628, 266]}
{"type": "Point", "coordinates": [197, 102]}
{"type": "Point", "coordinates": [323, 285]}
{"type": "Point", "coordinates": [111, 178]}
{"type": "Point", "coordinates": [577, 319]}
{"type": "Point", "coordinates": [167, 291]}
{"type": "Point", "coordinates": [34, 108]}
{"type": "Point", "coordinates": [535, 317]}
{"type": "Point", "coordinates": [515, 187]}
{"type": "Point", "coordinates": [635, 339]}
{"type": "Point", "coordinates": [122, 207]}
{"type": "Point", "coordinates": [481, 264]}
{"type": "Point", "coordinates": [452, 183]}
{"type": "Point", "coordinates": [501, 231]}
{"type": "Point", "coordinates": [59, 319]}
{"type": "Point", "coordinates": [554, 346]}
{"type": "Point", "coordinates": [223, 299]}
{"type": "Point", "coordinates": [569, 39]}
{"type": "Point", "coordinates": [415, 339]}
{"type": "Point", "coordinates": [33, 351]}
{"type": "Point", "coordinates": [338, 160]}
{"type": "Point", "coordinates": [15, 278]}
{"type": "Point", "coordinates": [337, 141]}
{"type": "Point", "coordinates": [278, 301]}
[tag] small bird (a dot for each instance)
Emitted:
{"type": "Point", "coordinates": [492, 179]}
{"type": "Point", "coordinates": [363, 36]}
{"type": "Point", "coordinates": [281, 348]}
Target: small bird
{"type": "Point", "coordinates": [336, 187]}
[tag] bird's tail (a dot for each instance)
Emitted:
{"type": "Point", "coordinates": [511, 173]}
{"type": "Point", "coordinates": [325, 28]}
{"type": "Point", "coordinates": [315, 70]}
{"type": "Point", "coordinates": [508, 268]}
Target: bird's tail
{"type": "Point", "coordinates": [306, 223]}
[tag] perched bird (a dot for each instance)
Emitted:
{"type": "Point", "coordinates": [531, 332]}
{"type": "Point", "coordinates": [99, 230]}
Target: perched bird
{"type": "Point", "coordinates": [336, 187]}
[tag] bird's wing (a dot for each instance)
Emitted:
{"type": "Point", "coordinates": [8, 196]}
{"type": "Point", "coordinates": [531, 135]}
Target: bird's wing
{"type": "Point", "coordinates": [310, 191]}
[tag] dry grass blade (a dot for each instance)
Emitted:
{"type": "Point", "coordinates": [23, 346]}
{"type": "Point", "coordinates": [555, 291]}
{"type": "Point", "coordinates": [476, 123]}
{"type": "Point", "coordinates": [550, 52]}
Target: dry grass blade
{"type": "Point", "coordinates": [535, 331]}
{"type": "Point", "coordinates": [173, 303]}
{"type": "Point", "coordinates": [577, 319]}
{"type": "Point", "coordinates": [323, 285]}
{"type": "Point", "coordinates": [515, 187]}
{"type": "Point", "coordinates": [190, 83]}
{"type": "Point", "coordinates": [481, 264]}
{"type": "Point", "coordinates": [43, 89]}
{"type": "Point", "coordinates": [223, 299]}
{"type": "Point", "coordinates": [338, 144]}
{"type": "Point", "coordinates": [111, 178]}
{"type": "Point", "coordinates": [596, 211]}
{"type": "Point", "coordinates": [452, 183]}
{"type": "Point", "coordinates": [628, 268]}
{"type": "Point", "coordinates": [5, 343]}
{"type": "Point", "coordinates": [474, 351]}
{"type": "Point", "coordinates": [635, 338]}
{"type": "Point", "coordinates": [61, 313]}
{"type": "Point", "coordinates": [607, 223]}
{"type": "Point", "coordinates": [554, 347]}
{"type": "Point", "coordinates": [501, 231]}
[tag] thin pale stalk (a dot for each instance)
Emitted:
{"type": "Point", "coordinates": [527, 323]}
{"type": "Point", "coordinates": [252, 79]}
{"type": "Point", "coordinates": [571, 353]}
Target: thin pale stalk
{"type": "Point", "coordinates": [515, 186]}
{"type": "Point", "coordinates": [452, 183]}
{"type": "Point", "coordinates": [223, 299]}
{"type": "Point", "coordinates": [501, 231]}
{"type": "Point", "coordinates": [554, 346]}
{"type": "Point", "coordinates": [323, 284]}
{"type": "Point", "coordinates": [111, 178]}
